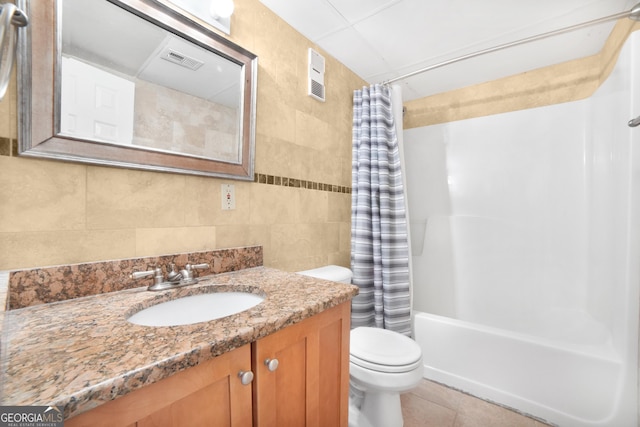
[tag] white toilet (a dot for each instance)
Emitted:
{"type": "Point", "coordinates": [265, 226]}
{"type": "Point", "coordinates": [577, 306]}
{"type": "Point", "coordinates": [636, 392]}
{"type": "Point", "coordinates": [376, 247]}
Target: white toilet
{"type": "Point", "coordinates": [382, 365]}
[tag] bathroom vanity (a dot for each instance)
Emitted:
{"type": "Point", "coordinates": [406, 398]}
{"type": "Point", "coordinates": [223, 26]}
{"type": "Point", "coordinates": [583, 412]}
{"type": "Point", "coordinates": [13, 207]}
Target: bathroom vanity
{"type": "Point", "coordinates": [308, 386]}
{"type": "Point", "coordinates": [85, 357]}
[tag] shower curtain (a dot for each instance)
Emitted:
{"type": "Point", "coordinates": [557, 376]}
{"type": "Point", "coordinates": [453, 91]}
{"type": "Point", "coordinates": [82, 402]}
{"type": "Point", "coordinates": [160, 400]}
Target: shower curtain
{"type": "Point", "coordinates": [379, 239]}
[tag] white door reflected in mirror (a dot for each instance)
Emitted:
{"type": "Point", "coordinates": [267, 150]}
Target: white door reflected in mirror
{"type": "Point", "coordinates": [96, 104]}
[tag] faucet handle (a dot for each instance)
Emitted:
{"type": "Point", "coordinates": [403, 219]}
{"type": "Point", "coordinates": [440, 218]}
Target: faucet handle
{"type": "Point", "coordinates": [196, 267]}
{"type": "Point", "coordinates": [156, 273]}
{"type": "Point", "coordinates": [189, 270]}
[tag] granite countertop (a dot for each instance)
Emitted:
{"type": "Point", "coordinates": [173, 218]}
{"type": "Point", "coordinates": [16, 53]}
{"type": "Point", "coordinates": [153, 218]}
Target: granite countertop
{"type": "Point", "coordinates": [81, 353]}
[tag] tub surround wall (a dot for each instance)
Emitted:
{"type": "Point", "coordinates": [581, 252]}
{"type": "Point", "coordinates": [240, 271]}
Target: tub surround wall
{"type": "Point", "coordinates": [61, 213]}
{"type": "Point", "coordinates": [50, 284]}
{"type": "Point", "coordinates": [527, 241]}
{"type": "Point", "coordinates": [564, 82]}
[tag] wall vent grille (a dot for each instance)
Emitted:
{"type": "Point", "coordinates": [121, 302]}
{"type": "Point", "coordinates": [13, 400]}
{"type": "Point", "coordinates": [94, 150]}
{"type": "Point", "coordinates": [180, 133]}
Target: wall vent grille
{"type": "Point", "coordinates": [316, 76]}
{"type": "Point", "coordinates": [317, 89]}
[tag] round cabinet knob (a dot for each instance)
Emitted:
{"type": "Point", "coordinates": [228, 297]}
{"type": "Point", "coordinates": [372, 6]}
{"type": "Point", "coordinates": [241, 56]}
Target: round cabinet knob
{"type": "Point", "coordinates": [245, 377]}
{"type": "Point", "coordinates": [272, 364]}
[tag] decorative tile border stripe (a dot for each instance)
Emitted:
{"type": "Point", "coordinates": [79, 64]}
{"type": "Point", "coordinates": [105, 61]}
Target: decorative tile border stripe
{"type": "Point", "coordinates": [8, 146]}
{"type": "Point", "coordinates": [261, 178]}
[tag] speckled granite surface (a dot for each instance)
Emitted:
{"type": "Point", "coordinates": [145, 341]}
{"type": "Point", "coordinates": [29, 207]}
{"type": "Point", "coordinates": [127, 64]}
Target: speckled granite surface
{"type": "Point", "coordinates": [80, 353]}
{"type": "Point", "coordinates": [49, 284]}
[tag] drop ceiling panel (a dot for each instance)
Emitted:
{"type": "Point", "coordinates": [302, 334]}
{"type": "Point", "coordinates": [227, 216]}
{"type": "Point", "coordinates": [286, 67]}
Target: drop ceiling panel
{"type": "Point", "coordinates": [356, 10]}
{"type": "Point", "coordinates": [312, 18]}
{"type": "Point", "coordinates": [399, 35]}
{"type": "Point", "coordinates": [348, 47]}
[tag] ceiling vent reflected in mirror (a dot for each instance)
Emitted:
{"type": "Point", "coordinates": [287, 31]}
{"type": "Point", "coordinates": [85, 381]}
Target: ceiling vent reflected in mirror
{"type": "Point", "coordinates": [181, 59]}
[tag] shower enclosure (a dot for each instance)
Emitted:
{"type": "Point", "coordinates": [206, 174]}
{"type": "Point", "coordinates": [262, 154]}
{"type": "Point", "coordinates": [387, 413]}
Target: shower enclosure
{"type": "Point", "coordinates": [525, 231]}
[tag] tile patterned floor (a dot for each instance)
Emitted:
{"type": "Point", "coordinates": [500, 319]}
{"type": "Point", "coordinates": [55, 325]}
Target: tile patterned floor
{"type": "Point", "coordinates": [434, 405]}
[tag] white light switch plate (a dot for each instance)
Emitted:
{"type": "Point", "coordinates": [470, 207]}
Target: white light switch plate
{"type": "Point", "coordinates": [228, 197]}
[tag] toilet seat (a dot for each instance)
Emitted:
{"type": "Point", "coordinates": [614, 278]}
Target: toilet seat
{"type": "Point", "coordinates": [390, 369]}
{"type": "Point", "coordinates": [382, 350]}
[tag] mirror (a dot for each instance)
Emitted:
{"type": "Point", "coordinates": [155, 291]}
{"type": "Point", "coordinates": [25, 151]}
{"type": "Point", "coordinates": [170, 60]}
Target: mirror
{"type": "Point", "coordinates": [135, 83]}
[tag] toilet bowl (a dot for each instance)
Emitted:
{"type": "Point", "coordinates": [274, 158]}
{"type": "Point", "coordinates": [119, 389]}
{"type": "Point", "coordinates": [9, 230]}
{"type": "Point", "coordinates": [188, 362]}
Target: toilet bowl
{"type": "Point", "coordinates": [382, 364]}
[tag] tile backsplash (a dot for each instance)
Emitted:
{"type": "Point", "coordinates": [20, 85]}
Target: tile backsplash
{"type": "Point", "coordinates": [50, 284]}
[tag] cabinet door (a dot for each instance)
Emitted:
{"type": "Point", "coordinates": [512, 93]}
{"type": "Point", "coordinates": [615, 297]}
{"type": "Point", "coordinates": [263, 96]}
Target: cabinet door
{"type": "Point", "coordinates": [310, 386]}
{"type": "Point", "coordinates": [209, 394]}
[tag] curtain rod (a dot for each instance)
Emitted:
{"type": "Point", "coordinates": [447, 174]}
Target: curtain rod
{"type": "Point", "coordinates": [634, 14]}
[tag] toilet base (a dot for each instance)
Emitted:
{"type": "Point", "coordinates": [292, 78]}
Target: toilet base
{"type": "Point", "coordinates": [380, 409]}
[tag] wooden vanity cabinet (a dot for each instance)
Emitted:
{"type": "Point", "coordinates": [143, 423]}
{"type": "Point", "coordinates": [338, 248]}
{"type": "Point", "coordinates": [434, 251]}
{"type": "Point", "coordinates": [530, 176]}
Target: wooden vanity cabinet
{"type": "Point", "coordinates": [310, 386]}
{"type": "Point", "coordinates": [210, 394]}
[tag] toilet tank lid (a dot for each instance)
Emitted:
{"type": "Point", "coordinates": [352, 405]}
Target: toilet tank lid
{"type": "Point", "coordinates": [329, 272]}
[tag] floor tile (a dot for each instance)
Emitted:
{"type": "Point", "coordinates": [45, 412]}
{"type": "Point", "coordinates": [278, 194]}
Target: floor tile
{"type": "Point", "coordinates": [474, 412]}
{"type": "Point", "coordinates": [435, 405]}
{"type": "Point", "coordinates": [438, 393]}
{"type": "Point", "coordinates": [418, 412]}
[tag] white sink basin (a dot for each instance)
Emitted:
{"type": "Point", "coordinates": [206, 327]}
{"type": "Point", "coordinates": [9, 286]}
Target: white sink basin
{"type": "Point", "coordinates": [196, 308]}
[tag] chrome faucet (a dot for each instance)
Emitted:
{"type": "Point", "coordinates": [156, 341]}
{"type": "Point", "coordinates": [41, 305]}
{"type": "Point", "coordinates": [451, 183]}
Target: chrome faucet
{"type": "Point", "coordinates": [174, 279]}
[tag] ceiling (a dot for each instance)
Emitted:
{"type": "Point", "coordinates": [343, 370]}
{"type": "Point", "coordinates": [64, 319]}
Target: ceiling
{"type": "Point", "coordinates": [383, 39]}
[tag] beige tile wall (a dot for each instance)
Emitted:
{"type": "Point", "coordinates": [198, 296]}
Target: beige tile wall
{"type": "Point", "coordinates": [568, 81]}
{"type": "Point", "coordinates": [57, 213]}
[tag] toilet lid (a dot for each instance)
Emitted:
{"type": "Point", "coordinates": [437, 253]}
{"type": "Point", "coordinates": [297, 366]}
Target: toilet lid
{"type": "Point", "coordinates": [384, 350]}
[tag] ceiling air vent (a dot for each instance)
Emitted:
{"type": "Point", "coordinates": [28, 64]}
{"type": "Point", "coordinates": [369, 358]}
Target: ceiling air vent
{"type": "Point", "coordinates": [316, 75]}
{"type": "Point", "coordinates": [181, 59]}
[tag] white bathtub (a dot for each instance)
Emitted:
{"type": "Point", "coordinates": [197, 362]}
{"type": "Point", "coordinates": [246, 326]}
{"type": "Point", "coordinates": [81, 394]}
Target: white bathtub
{"type": "Point", "coordinates": [564, 384]}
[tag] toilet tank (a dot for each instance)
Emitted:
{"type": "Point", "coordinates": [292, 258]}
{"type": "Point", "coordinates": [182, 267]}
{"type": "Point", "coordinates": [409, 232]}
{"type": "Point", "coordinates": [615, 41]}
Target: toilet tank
{"type": "Point", "coordinates": [334, 273]}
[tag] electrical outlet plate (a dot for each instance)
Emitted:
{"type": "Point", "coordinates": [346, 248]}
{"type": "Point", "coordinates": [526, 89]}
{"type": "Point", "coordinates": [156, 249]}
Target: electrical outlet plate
{"type": "Point", "coordinates": [228, 197]}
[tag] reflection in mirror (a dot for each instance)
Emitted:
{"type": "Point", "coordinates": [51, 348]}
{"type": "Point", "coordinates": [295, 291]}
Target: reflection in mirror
{"type": "Point", "coordinates": [185, 98]}
{"type": "Point", "coordinates": [137, 77]}
{"type": "Point", "coordinates": [211, 12]}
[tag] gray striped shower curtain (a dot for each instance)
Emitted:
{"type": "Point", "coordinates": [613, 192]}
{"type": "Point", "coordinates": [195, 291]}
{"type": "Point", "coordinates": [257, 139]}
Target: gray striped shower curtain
{"type": "Point", "coordinates": [379, 241]}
